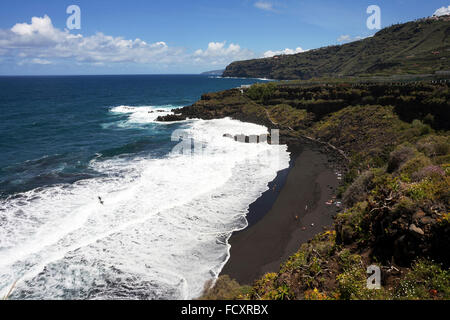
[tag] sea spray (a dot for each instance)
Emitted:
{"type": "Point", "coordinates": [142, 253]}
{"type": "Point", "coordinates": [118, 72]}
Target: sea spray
{"type": "Point", "coordinates": [162, 231]}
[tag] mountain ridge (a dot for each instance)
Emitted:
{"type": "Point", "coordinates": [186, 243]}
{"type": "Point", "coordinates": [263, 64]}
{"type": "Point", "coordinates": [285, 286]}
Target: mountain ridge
{"type": "Point", "coordinates": [416, 47]}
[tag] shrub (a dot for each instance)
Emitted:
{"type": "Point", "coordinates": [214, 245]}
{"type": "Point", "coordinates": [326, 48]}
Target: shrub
{"type": "Point", "coordinates": [433, 146]}
{"type": "Point", "coordinates": [347, 260]}
{"type": "Point", "coordinates": [269, 288]}
{"type": "Point", "coordinates": [442, 159]}
{"type": "Point", "coordinates": [405, 205]}
{"type": "Point", "coordinates": [225, 288]}
{"type": "Point", "coordinates": [429, 189]}
{"type": "Point", "coordinates": [426, 280]}
{"type": "Point", "coordinates": [414, 165]}
{"type": "Point", "coordinates": [357, 191]}
{"type": "Point", "coordinates": [428, 172]}
{"type": "Point", "coordinates": [315, 295]}
{"type": "Point", "coordinates": [399, 156]}
{"type": "Point", "coordinates": [352, 282]}
{"type": "Point", "coordinates": [297, 260]}
{"type": "Point", "coordinates": [261, 92]}
{"type": "Point", "coordinates": [421, 127]}
{"type": "Point", "coordinates": [350, 224]}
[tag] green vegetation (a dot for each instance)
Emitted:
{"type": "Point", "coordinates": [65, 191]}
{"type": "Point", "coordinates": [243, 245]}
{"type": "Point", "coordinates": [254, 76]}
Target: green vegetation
{"type": "Point", "coordinates": [395, 192]}
{"type": "Point", "coordinates": [225, 289]}
{"type": "Point", "coordinates": [426, 280]}
{"type": "Point", "coordinates": [261, 92]}
{"type": "Point", "coordinates": [414, 48]}
{"type": "Point", "coordinates": [427, 103]}
{"type": "Point", "coordinates": [323, 270]}
{"type": "Point", "coordinates": [286, 116]}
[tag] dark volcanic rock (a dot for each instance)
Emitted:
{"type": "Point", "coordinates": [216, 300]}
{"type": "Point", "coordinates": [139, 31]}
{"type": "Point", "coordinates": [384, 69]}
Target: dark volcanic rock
{"type": "Point", "coordinates": [171, 117]}
{"type": "Point", "coordinates": [401, 237]}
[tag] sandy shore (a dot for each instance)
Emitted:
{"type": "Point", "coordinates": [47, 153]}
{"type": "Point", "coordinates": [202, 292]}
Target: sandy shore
{"type": "Point", "coordinates": [290, 213]}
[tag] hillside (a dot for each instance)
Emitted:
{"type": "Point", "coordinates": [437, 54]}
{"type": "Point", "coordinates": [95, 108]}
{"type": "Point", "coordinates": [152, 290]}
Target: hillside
{"type": "Point", "coordinates": [395, 190]}
{"type": "Point", "coordinates": [418, 47]}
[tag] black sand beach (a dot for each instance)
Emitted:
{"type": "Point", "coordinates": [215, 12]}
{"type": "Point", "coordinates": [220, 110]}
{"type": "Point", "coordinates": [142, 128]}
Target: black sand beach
{"type": "Point", "coordinates": [290, 213]}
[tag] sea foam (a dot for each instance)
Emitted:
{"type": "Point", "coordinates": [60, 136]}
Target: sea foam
{"type": "Point", "coordinates": [162, 231]}
{"type": "Point", "coordinates": [143, 114]}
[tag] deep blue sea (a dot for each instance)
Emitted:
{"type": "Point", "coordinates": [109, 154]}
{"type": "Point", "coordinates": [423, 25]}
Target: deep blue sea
{"type": "Point", "coordinates": [51, 127]}
{"type": "Point", "coordinates": [95, 203]}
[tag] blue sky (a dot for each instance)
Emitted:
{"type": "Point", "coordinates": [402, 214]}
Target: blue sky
{"type": "Point", "coordinates": [173, 36]}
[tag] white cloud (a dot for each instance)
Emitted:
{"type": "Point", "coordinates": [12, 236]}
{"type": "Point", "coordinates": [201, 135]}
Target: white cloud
{"type": "Point", "coordinates": [218, 53]}
{"type": "Point", "coordinates": [34, 61]}
{"type": "Point", "coordinates": [442, 11]}
{"type": "Point", "coordinates": [344, 38]}
{"type": "Point", "coordinates": [40, 61]}
{"type": "Point", "coordinates": [271, 53]}
{"type": "Point", "coordinates": [41, 43]}
{"type": "Point", "coordinates": [347, 38]}
{"type": "Point", "coordinates": [41, 39]}
{"type": "Point", "coordinates": [263, 5]}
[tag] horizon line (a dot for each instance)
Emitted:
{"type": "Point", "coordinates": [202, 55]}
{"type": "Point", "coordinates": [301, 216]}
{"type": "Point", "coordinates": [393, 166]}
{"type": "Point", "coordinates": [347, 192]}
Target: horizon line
{"type": "Point", "coordinates": [115, 74]}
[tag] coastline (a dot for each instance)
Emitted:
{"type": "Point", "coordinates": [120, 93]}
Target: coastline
{"type": "Point", "coordinates": [360, 141]}
{"type": "Point", "coordinates": [288, 214]}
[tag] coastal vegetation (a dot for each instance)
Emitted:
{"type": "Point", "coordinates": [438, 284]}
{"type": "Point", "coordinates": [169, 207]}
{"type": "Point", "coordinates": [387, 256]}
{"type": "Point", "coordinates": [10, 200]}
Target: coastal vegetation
{"type": "Point", "coordinates": [395, 191]}
{"type": "Point", "coordinates": [382, 105]}
{"type": "Point", "coordinates": [414, 48]}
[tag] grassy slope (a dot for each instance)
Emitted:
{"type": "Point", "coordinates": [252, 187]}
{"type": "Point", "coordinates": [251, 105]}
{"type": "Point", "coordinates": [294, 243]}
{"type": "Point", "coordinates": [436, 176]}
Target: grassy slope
{"type": "Point", "coordinates": [419, 47]}
{"type": "Point", "coordinates": [396, 195]}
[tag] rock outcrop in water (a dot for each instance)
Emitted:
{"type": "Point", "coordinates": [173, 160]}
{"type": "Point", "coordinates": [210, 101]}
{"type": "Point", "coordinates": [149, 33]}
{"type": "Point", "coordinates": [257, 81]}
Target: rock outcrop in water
{"type": "Point", "coordinates": [171, 117]}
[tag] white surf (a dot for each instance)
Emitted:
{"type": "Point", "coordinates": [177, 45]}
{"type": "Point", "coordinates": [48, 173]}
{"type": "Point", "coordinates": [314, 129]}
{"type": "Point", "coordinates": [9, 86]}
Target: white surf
{"type": "Point", "coordinates": [161, 232]}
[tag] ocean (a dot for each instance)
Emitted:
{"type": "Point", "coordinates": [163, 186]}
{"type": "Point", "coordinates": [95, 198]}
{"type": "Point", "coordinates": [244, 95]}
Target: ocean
{"type": "Point", "coordinates": [98, 200]}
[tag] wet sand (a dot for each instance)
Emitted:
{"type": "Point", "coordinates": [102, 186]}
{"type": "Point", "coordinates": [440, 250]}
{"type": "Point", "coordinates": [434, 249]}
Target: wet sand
{"type": "Point", "coordinates": [290, 213]}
